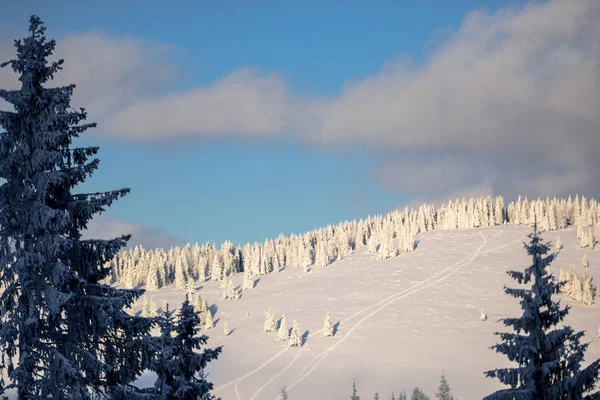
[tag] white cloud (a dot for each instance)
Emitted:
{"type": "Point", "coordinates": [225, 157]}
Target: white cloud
{"type": "Point", "coordinates": [508, 101]}
{"type": "Point", "coordinates": [109, 72]}
{"type": "Point", "coordinates": [101, 227]}
{"type": "Point", "coordinates": [242, 103]}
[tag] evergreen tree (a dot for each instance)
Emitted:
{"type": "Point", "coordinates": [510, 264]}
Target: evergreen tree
{"type": "Point", "coordinates": [248, 282]}
{"type": "Point", "coordinates": [295, 338]}
{"type": "Point", "coordinates": [225, 329]}
{"type": "Point", "coordinates": [327, 326]}
{"type": "Point", "coordinates": [549, 357]}
{"type": "Point", "coordinates": [418, 394]}
{"type": "Point", "coordinates": [50, 278]}
{"type": "Point", "coordinates": [283, 395]}
{"type": "Point", "coordinates": [208, 317]}
{"type": "Point", "coordinates": [177, 363]}
{"type": "Point", "coordinates": [355, 395]}
{"type": "Point", "coordinates": [402, 396]}
{"type": "Point", "coordinates": [559, 245]}
{"type": "Point", "coordinates": [283, 334]}
{"type": "Point", "coordinates": [444, 390]}
{"type": "Point", "coordinates": [270, 323]}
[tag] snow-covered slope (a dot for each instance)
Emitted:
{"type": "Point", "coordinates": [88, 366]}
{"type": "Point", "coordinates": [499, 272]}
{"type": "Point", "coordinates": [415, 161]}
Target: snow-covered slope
{"type": "Point", "coordinates": [399, 322]}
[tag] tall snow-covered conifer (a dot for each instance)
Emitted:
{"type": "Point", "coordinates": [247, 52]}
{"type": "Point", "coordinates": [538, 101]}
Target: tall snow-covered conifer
{"type": "Point", "coordinates": [549, 357]}
{"type": "Point", "coordinates": [50, 277]}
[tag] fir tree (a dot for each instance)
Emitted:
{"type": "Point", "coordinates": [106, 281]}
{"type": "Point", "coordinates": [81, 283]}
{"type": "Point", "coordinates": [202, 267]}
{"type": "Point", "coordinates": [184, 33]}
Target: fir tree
{"type": "Point", "coordinates": [444, 390]}
{"type": "Point", "coordinates": [283, 334]}
{"type": "Point", "coordinates": [549, 357]}
{"type": "Point", "coordinates": [418, 394]}
{"type": "Point", "coordinates": [283, 395]}
{"type": "Point", "coordinates": [248, 282]}
{"type": "Point", "coordinates": [327, 326]}
{"type": "Point", "coordinates": [270, 323]}
{"type": "Point", "coordinates": [295, 338]}
{"type": "Point", "coordinates": [50, 279]}
{"type": "Point", "coordinates": [376, 396]}
{"type": "Point", "coordinates": [402, 396]}
{"type": "Point", "coordinates": [177, 363]}
{"type": "Point", "coordinates": [558, 244]}
{"type": "Point", "coordinates": [355, 395]}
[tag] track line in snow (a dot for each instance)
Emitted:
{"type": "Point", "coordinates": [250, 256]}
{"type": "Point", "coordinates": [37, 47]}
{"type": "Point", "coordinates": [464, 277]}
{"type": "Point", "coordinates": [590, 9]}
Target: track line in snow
{"type": "Point", "coordinates": [414, 289]}
{"type": "Point", "coordinates": [388, 300]}
{"type": "Point", "coordinates": [276, 376]}
{"type": "Point", "coordinates": [325, 353]}
{"type": "Point", "coordinates": [223, 386]}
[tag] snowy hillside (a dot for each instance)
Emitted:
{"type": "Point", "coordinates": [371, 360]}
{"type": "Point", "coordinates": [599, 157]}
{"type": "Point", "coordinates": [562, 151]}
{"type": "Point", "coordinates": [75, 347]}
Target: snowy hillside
{"type": "Point", "coordinates": [400, 322]}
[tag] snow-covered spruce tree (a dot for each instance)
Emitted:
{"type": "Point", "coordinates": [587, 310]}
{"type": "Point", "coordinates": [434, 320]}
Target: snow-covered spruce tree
{"type": "Point", "coordinates": [376, 396]}
{"type": "Point", "coordinates": [402, 396]}
{"type": "Point", "coordinates": [225, 329]}
{"type": "Point", "coordinates": [50, 277]}
{"type": "Point", "coordinates": [270, 323]}
{"type": "Point", "coordinates": [177, 363]}
{"type": "Point", "coordinates": [283, 334]}
{"type": "Point", "coordinates": [549, 357]}
{"type": "Point", "coordinates": [230, 290]}
{"type": "Point", "coordinates": [585, 263]}
{"type": "Point", "coordinates": [327, 326]}
{"type": "Point", "coordinates": [418, 394]}
{"type": "Point", "coordinates": [558, 244]}
{"type": "Point", "coordinates": [248, 282]}
{"type": "Point", "coordinates": [295, 337]}
{"type": "Point", "coordinates": [443, 392]}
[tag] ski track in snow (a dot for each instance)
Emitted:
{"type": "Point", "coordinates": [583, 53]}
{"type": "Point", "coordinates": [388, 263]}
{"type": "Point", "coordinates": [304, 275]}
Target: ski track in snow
{"type": "Point", "coordinates": [318, 359]}
{"type": "Point", "coordinates": [442, 275]}
{"type": "Point", "coordinates": [273, 378]}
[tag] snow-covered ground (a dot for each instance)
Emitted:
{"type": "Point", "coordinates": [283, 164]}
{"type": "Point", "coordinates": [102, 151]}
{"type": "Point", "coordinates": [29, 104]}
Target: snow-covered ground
{"type": "Point", "coordinates": [400, 322]}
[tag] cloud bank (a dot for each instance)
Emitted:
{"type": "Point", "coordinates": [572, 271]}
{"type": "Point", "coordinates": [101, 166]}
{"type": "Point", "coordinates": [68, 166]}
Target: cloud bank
{"type": "Point", "coordinates": [101, 227]}
{"type": "Point", "coordinates": [508, 102]}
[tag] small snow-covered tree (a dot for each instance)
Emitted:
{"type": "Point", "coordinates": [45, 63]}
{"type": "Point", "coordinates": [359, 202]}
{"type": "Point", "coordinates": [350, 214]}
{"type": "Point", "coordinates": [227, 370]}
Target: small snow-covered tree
{"type": "Point", "coordinates": [283, 334]}
{"type": "Point", "coordinates": [549, 357]}
{"type": "Point", "coordinates": [248, 282]}
{"type": "Point", "coordinates": [321, 256]}
{"type": "Point", "coordinates": [327, 326]}
{"type": "Point", "coordinates": [585, 263]}
{"type": "Point", "coordinates": [225, 329]}
{"type": "Point", "coordinates": [270, 322]}
{"type": "Point", "coordinates": [230, 291]}
{"type": "Point", "coordinates": [164, 305]}
{"type": "Point", "coordinates": [208, 318]}
{"type": "Point", "coordinates": [558, 244]}
{"type": "Point", "coordinates": [483, 316]}
{"type": "Point", "coordinates": [295, 337]}
{"type": "Point", "coordinates": [443, 392]}
{"type": "Point", "coordinates": [376, 396]}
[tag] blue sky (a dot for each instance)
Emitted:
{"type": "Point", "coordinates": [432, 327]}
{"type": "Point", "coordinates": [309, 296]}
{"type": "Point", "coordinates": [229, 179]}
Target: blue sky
{"type": "Point", "coordinates": [248, 187]}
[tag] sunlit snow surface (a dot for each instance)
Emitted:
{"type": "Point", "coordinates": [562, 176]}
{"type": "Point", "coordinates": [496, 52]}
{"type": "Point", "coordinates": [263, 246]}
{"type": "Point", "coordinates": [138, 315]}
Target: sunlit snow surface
{"type": "Point", "coordinates": [401, 321]}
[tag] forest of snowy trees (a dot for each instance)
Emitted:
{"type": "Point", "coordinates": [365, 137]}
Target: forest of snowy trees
{"type": "Point", "coordinates": [386, 235]}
